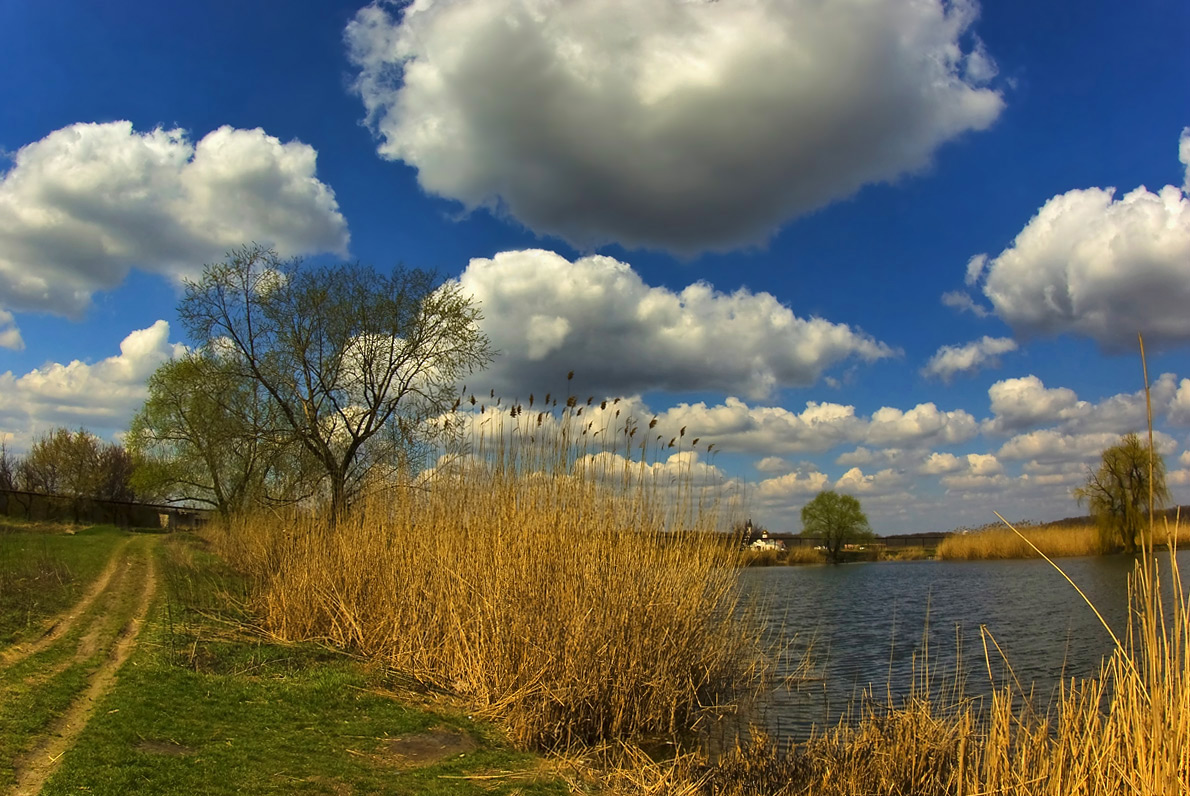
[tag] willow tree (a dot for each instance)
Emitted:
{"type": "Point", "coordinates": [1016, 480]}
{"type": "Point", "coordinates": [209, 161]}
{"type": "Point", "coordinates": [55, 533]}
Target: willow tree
{"type": "Point", "coordinates": [208, 435]}
{"type": "Point", "coordinates": [1119, 491]}
{"type": "Point", "coordinates": [838, 520]}
{"type": "Point", "coordinates": [353, 361]}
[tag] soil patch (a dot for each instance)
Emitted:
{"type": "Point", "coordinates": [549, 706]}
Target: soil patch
{"type": "Point", "coordinates": [426, 748]}
{"type": "Point", "coordinates": [165, 748]}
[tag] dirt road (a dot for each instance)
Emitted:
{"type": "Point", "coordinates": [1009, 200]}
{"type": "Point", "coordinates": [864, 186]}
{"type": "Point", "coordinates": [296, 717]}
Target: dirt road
{"type": "Point", "coordinates": [69, 669]}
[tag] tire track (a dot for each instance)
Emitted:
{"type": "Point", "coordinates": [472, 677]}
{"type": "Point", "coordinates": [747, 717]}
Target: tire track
{"type": "Point", "coordinates": [35, 767]}
{"type": "Point", "coordinates": [63, 623]}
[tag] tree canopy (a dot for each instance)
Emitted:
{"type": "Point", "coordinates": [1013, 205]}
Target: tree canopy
{"type": "Point", "coordinates": [1118, 492]}
{"type": "Point", "coordinates": [838, 520]}
{"type": "Point", "coordinates": [350, 362]}
{"type": "Point", "coordinates": [207, 434]}
{"type": "Point", "coordinates": [74, 464]}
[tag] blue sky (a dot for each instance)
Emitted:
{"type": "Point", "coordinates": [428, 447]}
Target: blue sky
{"type": "Point", "coordinates": [869, 246]}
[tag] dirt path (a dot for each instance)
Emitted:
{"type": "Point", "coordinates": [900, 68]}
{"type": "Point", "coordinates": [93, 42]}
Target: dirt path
{"type": "Point", "coordinates": [62, 623]}
{"type": "Point", "coordinates": [110, 618]}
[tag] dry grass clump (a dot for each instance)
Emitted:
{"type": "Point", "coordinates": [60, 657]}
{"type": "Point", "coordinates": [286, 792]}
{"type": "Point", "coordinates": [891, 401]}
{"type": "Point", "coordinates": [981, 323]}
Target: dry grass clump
{"type": "Point", "coordinates": [573, 600]}
{"type": "Point", "coordinates": [762, 558]}
{"type": "Point", "coordinates": [804, 555]}
{"type": "Point", "coordinates": [1001, 542]}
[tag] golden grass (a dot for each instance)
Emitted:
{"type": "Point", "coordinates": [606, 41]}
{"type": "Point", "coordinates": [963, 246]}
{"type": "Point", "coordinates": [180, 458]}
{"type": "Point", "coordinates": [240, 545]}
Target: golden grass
{"type": "Point", "coordinates": [1054, 541]}
{"type": "Point", "coordinates": [803, 555]}
{"type": "Point", "coordinates": [565, 597]}
{"type": "Point", "coordinates": [1003, 543]}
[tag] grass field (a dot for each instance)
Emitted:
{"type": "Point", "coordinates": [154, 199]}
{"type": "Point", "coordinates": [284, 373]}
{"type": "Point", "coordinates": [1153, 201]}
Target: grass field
{"type": "Point", "coordinates": [206, 704]}
{"type": "Point", "coordinates": [44, 569]}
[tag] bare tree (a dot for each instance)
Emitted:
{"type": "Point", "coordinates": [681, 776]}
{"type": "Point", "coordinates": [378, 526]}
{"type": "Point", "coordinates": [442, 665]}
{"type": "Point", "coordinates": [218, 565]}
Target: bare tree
{"type": "Point", "coordinates": [353, 361]}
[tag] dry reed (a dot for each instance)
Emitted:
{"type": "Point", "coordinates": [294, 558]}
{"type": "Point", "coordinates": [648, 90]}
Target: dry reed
{"type": "Point", "coordinates": [570, 593]}
{"type": "Point", "coordinates": [996, 543]}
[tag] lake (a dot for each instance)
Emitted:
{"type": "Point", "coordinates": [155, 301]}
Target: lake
{"type": "Point", "coordinates": [868, 625]}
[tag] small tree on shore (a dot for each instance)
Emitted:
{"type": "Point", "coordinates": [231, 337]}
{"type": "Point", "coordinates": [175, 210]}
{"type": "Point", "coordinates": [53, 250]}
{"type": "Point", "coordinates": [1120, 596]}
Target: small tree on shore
{"type": "Point", "coordinates": [1117, 493]}
{"type": "Point", "coordinates": [838, 520]}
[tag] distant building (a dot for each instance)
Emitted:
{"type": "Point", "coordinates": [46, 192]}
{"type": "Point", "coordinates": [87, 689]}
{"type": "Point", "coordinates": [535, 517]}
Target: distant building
{"type": "Point", "coordinates": [766, 542]}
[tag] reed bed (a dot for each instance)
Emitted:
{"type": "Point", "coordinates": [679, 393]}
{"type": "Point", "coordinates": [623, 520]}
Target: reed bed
{"type": "Point", "coordinates": [997, 543]}
{"type": "Point", "coordinates": [556, 588]}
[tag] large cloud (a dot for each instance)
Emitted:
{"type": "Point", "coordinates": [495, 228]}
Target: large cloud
{"type": "Point", "coordinates": [86, 203]}
{"type": "Point", "coordinates": [685, 125]}
{"type": "Point", "coordinates": [1105, 268]}
{"type": "Point", "coordinates": [1026, 402]}
{"type": "Point", "coordinates": [101, 396]}
{"type": "Point", "coordinates": [595, 316]}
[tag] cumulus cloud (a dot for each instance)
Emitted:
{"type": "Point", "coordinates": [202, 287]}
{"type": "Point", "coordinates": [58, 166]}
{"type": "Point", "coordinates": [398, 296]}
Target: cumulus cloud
{"type": "Point", "coordinates": [597, 317]}
{"type": "Point", "coordinates": [975, 464]}
{"type": "Point", "coordinates": [1050, 446]}
{"type": "Point", "coordinates": [883, 482]}
{"type": "Point", "coordinates": [1179, 404]}
{"type": "Point", "coordinates": [1105, 268]}
{"type": "Point", "coordinates": [83, 205]}
{"type": "Point", "coordinates": [10, 335]}
{"type": "Point", "coordinates": [790, 487]}
{"type": "Point", "coordinates": [773, 464]}
{"type": "Point", "coordinates": [659, 123]}
{"type": "Point", "coordinates": [941, 464]}
{"type": "Point", "coordinates": [736, 426]}
{"type": "Point", "coordinates": [100, 396]}
{"type": "Point", "coordinates": [1025, 402]}
{"type": "Point", "coordinates": [951, 360]}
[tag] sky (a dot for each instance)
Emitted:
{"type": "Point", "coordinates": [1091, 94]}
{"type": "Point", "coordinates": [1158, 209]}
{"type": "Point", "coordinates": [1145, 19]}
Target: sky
{"type": "Point", "coordinates": [898, 249]}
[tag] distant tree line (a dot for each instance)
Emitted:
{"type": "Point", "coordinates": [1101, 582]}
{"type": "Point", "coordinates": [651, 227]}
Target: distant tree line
{"type": "Point", "coordinates": [75, 464]}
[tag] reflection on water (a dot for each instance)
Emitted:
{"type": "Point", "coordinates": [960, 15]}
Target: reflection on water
{"type": "Point", "coordinates": [869, 625]}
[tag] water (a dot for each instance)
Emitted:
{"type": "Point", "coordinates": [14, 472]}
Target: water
{"type": "Point", "coordinates": [868, 626]}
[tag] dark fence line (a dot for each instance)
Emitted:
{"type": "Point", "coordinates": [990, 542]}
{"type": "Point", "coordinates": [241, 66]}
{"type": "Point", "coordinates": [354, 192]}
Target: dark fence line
{"type": "Point", "coordinates": [93, 511]}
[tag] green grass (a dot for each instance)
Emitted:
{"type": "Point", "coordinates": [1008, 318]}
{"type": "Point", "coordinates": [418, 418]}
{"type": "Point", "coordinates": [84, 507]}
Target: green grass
{"type": "Point", "coordinates": [205, 706]}
{"type": "Point", "coordinates": [43, 572]}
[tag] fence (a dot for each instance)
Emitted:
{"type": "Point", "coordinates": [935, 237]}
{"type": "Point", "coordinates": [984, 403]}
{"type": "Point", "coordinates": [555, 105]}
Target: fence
{"type": "Point", "coordinates": [92, 511]}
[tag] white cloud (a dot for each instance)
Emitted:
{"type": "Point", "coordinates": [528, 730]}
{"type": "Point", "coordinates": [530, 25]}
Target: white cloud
{"type": "Point", "coordinates": [924, 424]}
{"type": "Point", "coordinates": [1101, 267]}
{"type": "Point", "coordinates": [941, 464]}
{"type": "Point", "coordinates": [595, 316]}
{"type": "Point", "coordinates": [983, 464]}
{"type": "Point", "coordinates": [735, 426]}
{"type": "Point", "coordinates": [773, 464]}
{"type": "Point", "coordinates": [1023, 402]}
{"type": "Point", "coordinates": [884, 482]}
{"type": "Point", "coordinates": [661, 123]}
{"type": "Point", "coordinates": [1049, 446]}
{"type": "Point", "coordinates": [101, 396]}
{"type": "Point", "coordinates": [958, 300]}
{"type": "Point", "coordinates": [1179, 404]}
{"type": "Point", "coordinates": [83, 205]}
{"type": "Point", "coordinates": [10, 335]}
{"type": "Point", "coordinates": [975, 269]}
{"type": "Point", "coordinates": [793, 487]}
{"type": "Point", "coordinates": [950, 360]}
{"type": "Point", "coordinates": [861, 456]}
